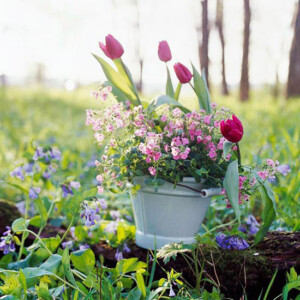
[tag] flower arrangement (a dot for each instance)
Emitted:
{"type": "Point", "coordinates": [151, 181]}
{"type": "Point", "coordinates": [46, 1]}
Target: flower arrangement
{"type": "Point", "coordinates": [165, 141]}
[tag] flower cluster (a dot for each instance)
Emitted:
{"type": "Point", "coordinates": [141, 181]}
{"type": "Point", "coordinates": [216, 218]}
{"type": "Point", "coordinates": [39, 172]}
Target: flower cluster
{"type": "Point", "coordinates": [157, 145]}
{"type": "Point", "coordinates": [231, 242]}
{"type": "Point", "coordinates": [7, 243]}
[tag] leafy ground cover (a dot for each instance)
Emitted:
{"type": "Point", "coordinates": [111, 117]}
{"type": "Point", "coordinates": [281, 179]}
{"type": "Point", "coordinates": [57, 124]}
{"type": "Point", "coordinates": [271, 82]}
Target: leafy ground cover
{"type": "Point", "coordinates": [31, 118]}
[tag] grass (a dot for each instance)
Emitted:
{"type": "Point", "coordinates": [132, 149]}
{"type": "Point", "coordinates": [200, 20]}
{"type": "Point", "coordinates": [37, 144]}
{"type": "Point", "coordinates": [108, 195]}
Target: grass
{"type": "Point", "coordinates": [31, 116]}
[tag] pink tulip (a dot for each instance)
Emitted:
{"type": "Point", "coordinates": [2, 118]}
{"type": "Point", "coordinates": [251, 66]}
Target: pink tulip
{"type": "Point", "coordinates": [113, 49]}
{"type": "Point", "coordinates": [183, 73]}
{"type": "Point", "coordinates": [164, 52]}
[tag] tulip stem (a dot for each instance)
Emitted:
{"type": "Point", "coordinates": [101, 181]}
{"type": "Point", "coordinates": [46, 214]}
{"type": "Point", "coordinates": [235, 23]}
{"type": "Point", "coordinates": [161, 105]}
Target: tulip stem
{"type": "Point", "coordinates": [238, 154]}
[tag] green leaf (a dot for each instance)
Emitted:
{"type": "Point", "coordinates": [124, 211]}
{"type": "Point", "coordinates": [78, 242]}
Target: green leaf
{"type": "Point", "coordinates": [140, 282]}
{"type": "Point", "coordinates": [19, 225]}
{"type": "Point", "coordinates": [201, 90]}
{"type": "Point", "coordinates": [169, 85]}
{"type": "Point", "coordinates": [226, 148]}
{"type": "Point", "coordinates": [165, 99]}
{"type": "Point", "coordinates": [231, 185]}
{"type": "Point", "coordinates": [83, 260]}
{"type": "Point", "coordinates": [117, 80]}
{"type": "Point", "coordinates": [268, 213]}
{"type": "Point", "coordinates": [130, 265]}
{"type": "Point", "coordinates": [67, 266]}
{"type": "Point", "coordinates": [134, 294]}
{"type": "Point", "coordinates": [177, 92]}
{"type": "Point", "coordinates": [22, 280]}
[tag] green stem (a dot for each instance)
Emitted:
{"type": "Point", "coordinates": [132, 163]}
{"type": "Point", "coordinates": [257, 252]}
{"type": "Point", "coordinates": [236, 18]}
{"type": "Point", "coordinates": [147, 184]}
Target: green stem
{"type": "Point", "coordinates": [33, 233]}
{"type": "Point", "coordinates": [221, 226]}
{"type": "Point", "coordinates": [23, 234]}
{"type": "Point", "coordinates": [67, 231]}
{"type": "Point", "coordinates": [239, 154]}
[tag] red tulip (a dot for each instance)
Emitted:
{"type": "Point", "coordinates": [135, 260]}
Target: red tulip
{"type": "Point", "coordinates": [113, 49]}
{"type": "Point", "coordinates": [232, 130]}
{"type": "Point", "coordinates": [164, 52]}
{"type": "Point", "coordinates": [183, 73]}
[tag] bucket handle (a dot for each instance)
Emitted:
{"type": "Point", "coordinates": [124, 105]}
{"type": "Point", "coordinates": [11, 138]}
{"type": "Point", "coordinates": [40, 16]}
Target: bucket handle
{"type": "Point", "coordinates": [205, 193]}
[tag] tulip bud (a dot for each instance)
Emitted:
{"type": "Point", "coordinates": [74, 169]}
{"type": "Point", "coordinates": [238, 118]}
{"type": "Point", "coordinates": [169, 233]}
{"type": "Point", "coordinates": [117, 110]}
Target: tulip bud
{"type": "Point", "coordinates": [232, 130]}
{"type": "Point", "coordinates": [183, 73]}
{"type": "Point", "coordinates": [113, 49]}
{"type": "Point", "coordinates": [164, 52]}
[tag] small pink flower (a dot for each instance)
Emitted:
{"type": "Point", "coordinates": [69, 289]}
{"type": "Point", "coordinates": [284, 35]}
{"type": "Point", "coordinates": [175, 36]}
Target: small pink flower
{"type": "Point", "coordinates": [207, 119]}
{"type": "Point", "coordinates": [100, 189]}
{"type": "Point", "coordinates": [163, 118]}
{"type": "Point", "coordinates": [157, 156]}
{"type": "Point", "coordinates": [99, 178]}
{"type": "Point", "coordinates": [97, 163]}
{"type": "Point", "coordinates": [217, 124]}
{"type": "Point", "coordinates": [185, 141]}
{"type": "Point", "coordinates": [148, 160]}
{"type": "Point", "coordinates": [152, 171]}
{"type": "Point", "coordinates": [167, 148]}
{"type": "Point", "coordinates": [214, 105]}
{"type": "Point", "coordinates": [176, 112]}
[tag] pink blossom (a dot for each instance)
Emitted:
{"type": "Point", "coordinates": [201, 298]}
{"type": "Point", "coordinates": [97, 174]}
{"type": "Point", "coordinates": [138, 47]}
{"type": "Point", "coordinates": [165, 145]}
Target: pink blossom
{"type": "Point", "coordinates": [176, 112]}
{"type": "Point", "coordinates": [152, 171]}
{"type": "Point", "coordinates": [157, 156]}
{"type": "Point", "coordinates": [167, 148]}
{"type": "Point", "coordinates": [99, 178]}
{"type": "Point", "coordinates": [97, 163]}
{"type": "Point", "coordinates": [185, 141]}
{"type": "Point", "coordinates": [263, 174]}
{"type": "Point", "coordinates": [100, 189]}
{"type": "Point", "coordinates": [163, 118]}
{"type": "Point", "coordinates": [207, 119]}
{"type": "Point", "coordinates": [217, 124]}
{"type": "Point", "coordinates": [214, 105]}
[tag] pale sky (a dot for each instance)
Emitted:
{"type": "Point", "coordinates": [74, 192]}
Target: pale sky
{"type": "Point", "coordinates": [61, 34]}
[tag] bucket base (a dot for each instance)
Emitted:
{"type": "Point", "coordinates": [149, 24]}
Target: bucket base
{"type": "Point", "coordinates": [148, 241]}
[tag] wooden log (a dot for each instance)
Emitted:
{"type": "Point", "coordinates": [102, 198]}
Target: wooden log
{"type": "Point", "coordinates": [250, 269]}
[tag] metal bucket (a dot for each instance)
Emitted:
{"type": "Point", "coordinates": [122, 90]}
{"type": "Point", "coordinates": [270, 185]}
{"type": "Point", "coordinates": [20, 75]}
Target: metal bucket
{"type": "Point", "coordinates": [170, 215]}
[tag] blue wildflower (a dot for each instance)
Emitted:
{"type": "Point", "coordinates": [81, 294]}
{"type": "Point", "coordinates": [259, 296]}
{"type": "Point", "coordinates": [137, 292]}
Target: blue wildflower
{"type": "Point", "coordinates": [18, 173]}
{"type": "Point", "coordinates": [39, 153]}
{"type": "Point", "coordinates": [28, 169]}
{"type": "Point", "coordinates": [34, 192]}
{"type": "Point", "coordinates": [68, 244]}
{"type": "Point", "coordinates": [84, 246]}
{"type": "Point", "coordinates": [231, 242]}
{"type": "Point", "coordinates": [7, 242]}
{"type": "Point", "coordinates": [284, 169]}
{"type": "Point", "coordinates": [90, 215]}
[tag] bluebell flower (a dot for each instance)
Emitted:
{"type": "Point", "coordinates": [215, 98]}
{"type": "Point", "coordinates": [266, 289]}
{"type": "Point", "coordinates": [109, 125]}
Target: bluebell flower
{"type": "Point", "coordinates": [172, 293]}
{"type": "Point", "coordinates": [66, 191]}
{"type": "Point", "coordinates": [55, 153]}
{"type": "Point", "coordinates": [119, 255]}
{"type": "Point", "coordinates": [102, 203]}
{"type": "Point", "coordinates": [284, 169]}
{"type": "Point", "coordinates": [28, 169]}
{"type": "Point", "coordinates": [7, 243]}
{"type": "Point", "coordinates": [34, 192]}
{"type": "Point", "coordinates": [115, 214]}
{"type": "Point", "coordinates": [39, 153]}
{"type": "Point", "coordinates": [90, 215]}
{"type": "Point", "coordinates": [84, 247]}
{"type": "Point", "coordinates": [68, 244]}
{"type": "Point", "coordinates": [18, 173]}
{"type": "Point", "coordinates": [111, 227]}
{"type": "Point", "coordinates": [231, 242]}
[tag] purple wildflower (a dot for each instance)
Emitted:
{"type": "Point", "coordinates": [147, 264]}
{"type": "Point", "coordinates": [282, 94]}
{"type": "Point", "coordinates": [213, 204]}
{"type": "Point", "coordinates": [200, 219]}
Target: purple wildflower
{"type": "Point", "coordinates": [119, 255]}
{"type": "Point", "coordinates": [172, 293]}
{"type": "Point", "coordinates": [90, 215]}
{"type": "Point", "coordinates": [84, 247]}
{"type": "Point", "coordinates": [28, 169]}
{"type": "Point", "coordinates": [18, 173]}
{"type": "Point", "coordinates": [102, 203]}
{"type": "Point", "coordinates": [253, 224]}
{"type": "Point", "coordinates": [284, 169]}
{"type": "Point", "coordinates": [75, 185]}
{"type": "Point", "coordinates": [111, 227]}
{"type": "Point", "coordinates": [66, 191]}
{"type": "Point", "coordinates": [115, 214]}
{"type": "Point", "coordinates": [55, 153]}
{"type": "Point", "coordinates": [7, 243]}
{"type": "Point", "coordinates": [34, 192]}
{"type": "Point", "coordinates": [47, 174]}
{"type": "Point", "coordinates": [68, 244]}
{"type": "Point", "coordinates": [231, 242]}
{"type": "Point", "coordinates": [39, 153]}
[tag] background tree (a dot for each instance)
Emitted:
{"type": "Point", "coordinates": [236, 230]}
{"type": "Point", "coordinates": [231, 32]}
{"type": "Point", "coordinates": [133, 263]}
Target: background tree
{"type": "Point", "coordinates": [203, 37]}
{"type": "Point", "coordinates": [219, 25]}
{"type": "Point", "coordinates": [244, 83]}
{"type": "Point", "coordinates": [293, 85]}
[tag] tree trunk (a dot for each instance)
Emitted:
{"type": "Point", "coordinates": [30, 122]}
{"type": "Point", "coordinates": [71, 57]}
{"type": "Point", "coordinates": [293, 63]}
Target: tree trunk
{"type": "Point", "coordinates": [219, 24]}
{"type": "Point", "coordinates": [203, 42]}
{"type": "Point", "coordinates": [244, 84]}
{"type": "Point", "coordinates": [293, 85]}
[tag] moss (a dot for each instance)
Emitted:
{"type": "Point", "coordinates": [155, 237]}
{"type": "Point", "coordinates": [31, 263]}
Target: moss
{"type": "Point", "coordinates": [8, 213]}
